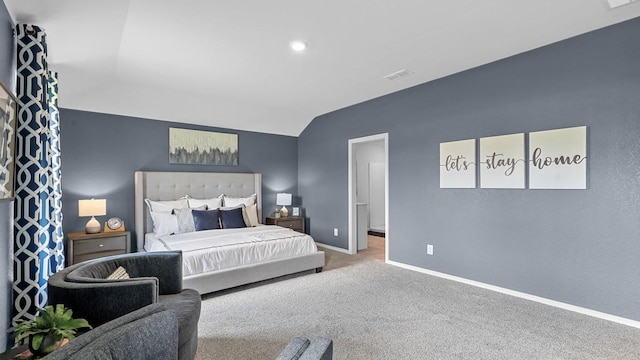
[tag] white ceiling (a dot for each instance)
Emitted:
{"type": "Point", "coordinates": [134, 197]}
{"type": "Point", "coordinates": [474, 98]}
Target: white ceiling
{"type": "Point", "coordinates": [227, 63]}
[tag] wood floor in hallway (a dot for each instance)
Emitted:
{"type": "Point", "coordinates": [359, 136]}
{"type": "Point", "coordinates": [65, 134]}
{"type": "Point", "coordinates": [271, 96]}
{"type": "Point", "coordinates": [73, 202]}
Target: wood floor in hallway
{"type": "Point", "coordinates": [375, 247]}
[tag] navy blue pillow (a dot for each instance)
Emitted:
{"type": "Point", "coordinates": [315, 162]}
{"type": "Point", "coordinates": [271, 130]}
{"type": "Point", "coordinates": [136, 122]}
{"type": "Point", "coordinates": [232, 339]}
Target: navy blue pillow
{"type": "Point", "coordinates": [232, 218]}
{"type": "Point", "coordinates": [206, 219]}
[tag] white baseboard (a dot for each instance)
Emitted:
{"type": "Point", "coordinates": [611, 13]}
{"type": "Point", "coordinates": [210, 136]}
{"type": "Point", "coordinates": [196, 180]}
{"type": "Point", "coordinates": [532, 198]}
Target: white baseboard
{"type": "Point", "coordinates": [558, 304]}
{"type": "Point", "coordinates": [333, 248]}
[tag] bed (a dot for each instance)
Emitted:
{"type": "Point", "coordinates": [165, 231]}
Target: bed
{"type": "Point", "coordinates": [219, 272]}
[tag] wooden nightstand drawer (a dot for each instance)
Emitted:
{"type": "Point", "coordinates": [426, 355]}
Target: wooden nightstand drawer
{"type": "Point", "coordinates": [82, 247]}
{"type": "Point", "coordinates": [80, 258]}
{"type": "Point", "coordinates": [291, 222]}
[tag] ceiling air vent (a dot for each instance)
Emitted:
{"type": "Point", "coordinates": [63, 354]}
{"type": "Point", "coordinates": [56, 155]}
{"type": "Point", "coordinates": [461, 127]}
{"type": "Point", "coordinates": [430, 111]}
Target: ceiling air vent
{"type": "Point", "coordinates": [398, 74]}
{"type": "Point", "coordinates": [615, 3]}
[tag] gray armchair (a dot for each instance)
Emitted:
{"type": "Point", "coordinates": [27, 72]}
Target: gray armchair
{"type": "Point", "coordinates": [303, 349]}
{"type": "Point", "coordinates": [149, 333]}
{"type": "Point", "coordinates": [156, 277]}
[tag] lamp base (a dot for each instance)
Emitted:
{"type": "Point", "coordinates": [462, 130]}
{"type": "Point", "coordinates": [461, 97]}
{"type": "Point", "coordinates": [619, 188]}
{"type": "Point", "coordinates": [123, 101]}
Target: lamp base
{"type": "Point", "coordinates": [284, 212]}
{"type": "Point", "coordinates": [92, 227]}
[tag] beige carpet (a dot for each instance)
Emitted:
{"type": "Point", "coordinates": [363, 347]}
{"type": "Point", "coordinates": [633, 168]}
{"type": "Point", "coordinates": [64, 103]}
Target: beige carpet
{"type": "Point", "coordinates": [376, 311]}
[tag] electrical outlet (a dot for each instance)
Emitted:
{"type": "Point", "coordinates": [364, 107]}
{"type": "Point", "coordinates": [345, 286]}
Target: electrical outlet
{"type": "Point", "coordinates": [335, 231]}
{"type": "Point", "coordinates": [429, 249]}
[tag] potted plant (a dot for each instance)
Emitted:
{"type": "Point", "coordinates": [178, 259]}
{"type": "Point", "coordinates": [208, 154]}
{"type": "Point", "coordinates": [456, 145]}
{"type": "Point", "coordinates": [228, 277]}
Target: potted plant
{"type": "Point", "coordinates": [49, 329]}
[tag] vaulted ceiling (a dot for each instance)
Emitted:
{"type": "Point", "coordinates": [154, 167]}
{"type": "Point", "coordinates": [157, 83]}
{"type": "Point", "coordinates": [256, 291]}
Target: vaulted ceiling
{"type": "Point", "coordinates": [228, 63]}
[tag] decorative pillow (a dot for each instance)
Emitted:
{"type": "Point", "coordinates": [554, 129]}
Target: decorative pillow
{"type": "Point", "coordinates": [167, 206]}
{"type": "Point", "coordinates": [185, 219]}
{"type": "Point", "coordinates": [206, 219]}
{"type": "Point", "coordinates": [209, 203]}
{"type": "Point", "coordinates": [119, 274]}
{"type": "Point", "coordinates": [252, 215]}
{"type": "Point", "coordinates": [233, 201]}
{"type": "Point", "coordinates": [245, 217]}
{"type": "Point", "coordinates": [164, 223]}
{"type": "Point", "coordinates": [232, 218]}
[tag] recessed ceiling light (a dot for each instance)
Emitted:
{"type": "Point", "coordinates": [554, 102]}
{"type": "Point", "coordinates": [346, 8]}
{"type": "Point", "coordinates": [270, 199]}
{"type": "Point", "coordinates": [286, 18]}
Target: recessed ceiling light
{"type": "Point", "coordinates": [616, 3]}
{"type": "Point", "coordinates": [298, 45]}
{"type": "Point", "coordinates": [398, 74]}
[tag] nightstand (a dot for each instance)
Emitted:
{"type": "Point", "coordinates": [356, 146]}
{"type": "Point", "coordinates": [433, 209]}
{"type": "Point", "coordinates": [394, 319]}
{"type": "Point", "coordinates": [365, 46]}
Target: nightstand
{"type": "Point", "coordinates": [292, 222]}
{"type": "Point", "coordinates": [82, 246]}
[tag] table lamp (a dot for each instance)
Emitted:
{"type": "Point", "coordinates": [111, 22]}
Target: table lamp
{"type": "Point", "coordinates": [93, 207]}
{"type": "Point", "coordinates": [283, 199]}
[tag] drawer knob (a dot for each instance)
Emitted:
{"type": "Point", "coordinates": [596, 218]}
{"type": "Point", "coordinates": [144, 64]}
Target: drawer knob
{"type": "Point", "coordinates": [101, 245]}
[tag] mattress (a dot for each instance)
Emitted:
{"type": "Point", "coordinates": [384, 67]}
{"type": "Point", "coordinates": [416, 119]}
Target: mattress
{"type": "Point", "coordinates": [212, 250]}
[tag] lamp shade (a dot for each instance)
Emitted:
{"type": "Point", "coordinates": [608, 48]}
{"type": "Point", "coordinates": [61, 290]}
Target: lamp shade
{"type": "Point", "coordinates": [283, 199]}
{"type": "Point", "coordinates": [93, 207]}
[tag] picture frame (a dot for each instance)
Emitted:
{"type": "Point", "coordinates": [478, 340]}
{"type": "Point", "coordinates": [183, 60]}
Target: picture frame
{"type": "Point", "coordinates": [458, 164]}
{"type": "Point", "coordinates": [295, 211]}
{"type": "Point", "coordinates": [188, 146]}
{"type": "Point", "coordinates": [558, 159]}
{"type": "Point", "coordinates": [8, 125]}
{"type": "Point", "coordinates": [502, 162]}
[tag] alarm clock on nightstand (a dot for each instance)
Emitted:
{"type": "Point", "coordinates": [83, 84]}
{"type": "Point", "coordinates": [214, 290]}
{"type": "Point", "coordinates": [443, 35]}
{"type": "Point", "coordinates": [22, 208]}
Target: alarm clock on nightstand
{"type": "Point", "coordinates": [113, 225]}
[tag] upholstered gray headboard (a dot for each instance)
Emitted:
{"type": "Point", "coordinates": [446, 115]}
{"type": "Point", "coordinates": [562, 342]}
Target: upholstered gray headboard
{"type": "Point", "coordinates": [198, 185]}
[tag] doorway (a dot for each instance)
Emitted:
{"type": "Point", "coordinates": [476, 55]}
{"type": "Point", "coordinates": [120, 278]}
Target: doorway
{"type": "Point", "coordinates": [369, 193]}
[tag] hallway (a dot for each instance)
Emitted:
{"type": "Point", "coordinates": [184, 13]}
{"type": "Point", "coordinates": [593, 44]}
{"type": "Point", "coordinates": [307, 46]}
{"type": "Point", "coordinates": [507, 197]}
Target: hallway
{"type": "Point", "coordinates": [375, 247]}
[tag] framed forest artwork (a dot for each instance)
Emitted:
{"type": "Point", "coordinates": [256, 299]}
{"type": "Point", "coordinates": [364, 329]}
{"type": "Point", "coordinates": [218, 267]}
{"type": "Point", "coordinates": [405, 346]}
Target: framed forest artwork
{"type": "Point", "coordinates": [188, 146]}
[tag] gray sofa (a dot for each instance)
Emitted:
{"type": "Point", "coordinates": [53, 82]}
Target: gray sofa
{"type": "Point", "coordinates": [303, 349]}
{"type": "Point", "coordinates": [149, 333]}
{"type": "Point", "coordinates": [155, 278]}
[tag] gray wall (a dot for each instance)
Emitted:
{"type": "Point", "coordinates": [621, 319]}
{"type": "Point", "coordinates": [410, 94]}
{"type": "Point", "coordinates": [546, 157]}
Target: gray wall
{"type": "Point", "coordinates": [100, 153]}
{"type": "Point", "coordinates": [7, 69]}
{"type": "Point", "coordinates": [579, 247]}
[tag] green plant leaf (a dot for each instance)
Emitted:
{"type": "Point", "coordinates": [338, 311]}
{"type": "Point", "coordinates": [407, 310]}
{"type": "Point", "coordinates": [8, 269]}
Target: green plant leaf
{"type": "Point", "coordinates": [57, 321]}
{"type": "Point", "coordinates": [36, 340]}
{"type": "Point", "coordinates": [76, 324]}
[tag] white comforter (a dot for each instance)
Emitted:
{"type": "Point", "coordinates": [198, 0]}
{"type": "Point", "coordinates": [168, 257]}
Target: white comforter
{"type": "Point", "coordinates": [211, 250]}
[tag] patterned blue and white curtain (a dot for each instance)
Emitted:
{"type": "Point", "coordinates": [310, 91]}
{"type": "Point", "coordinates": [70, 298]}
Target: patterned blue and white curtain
{"type": "Point", "coordinates": [38, 246]}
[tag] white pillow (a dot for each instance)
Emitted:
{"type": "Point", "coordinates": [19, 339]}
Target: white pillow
{"type": "Point", "coordinates": [164, 223]}
{"type": "Point", "coordinates": [233, 201]}
{"type": "Point", "coordinates": [252, 215]}
{"type": "Point", "coordinates": [209, 203]}
{"type": "Point", "coordinates": [167, 206]}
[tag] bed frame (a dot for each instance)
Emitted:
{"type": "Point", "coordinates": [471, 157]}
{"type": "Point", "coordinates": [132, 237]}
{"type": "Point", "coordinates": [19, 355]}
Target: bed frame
{"type": "Point", "coordinates": [200, 185]}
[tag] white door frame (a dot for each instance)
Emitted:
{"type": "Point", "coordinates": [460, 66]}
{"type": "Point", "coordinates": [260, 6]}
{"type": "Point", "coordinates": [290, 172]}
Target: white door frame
{"type": "Point", "coordinates": [353, 225]}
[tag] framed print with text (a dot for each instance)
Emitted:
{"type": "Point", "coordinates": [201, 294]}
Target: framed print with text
{"type": "Point", "coordinates": [458, 164]}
